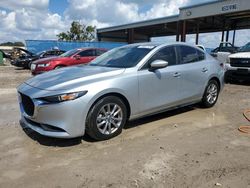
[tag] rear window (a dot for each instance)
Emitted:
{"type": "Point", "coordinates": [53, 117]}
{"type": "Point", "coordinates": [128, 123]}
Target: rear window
{"type": "Point", "coordinates": [189, 54]}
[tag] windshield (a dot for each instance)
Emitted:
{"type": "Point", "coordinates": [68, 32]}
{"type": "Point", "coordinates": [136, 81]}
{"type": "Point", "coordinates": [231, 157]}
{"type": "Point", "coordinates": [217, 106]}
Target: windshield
{"type": "Point", "coordinates": [69, 53]}
{"type": "Point", "coordinates": [245, 48]}
{"type": "Point", "coordinates": [123, 57]}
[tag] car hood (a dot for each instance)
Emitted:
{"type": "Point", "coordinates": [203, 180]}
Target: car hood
{"type": "Point", "coordinates": [240, 55]}
{"type": "Point", "coordinates": [39, 61]}
{"type": "Point", "coordinates": [72, 77]}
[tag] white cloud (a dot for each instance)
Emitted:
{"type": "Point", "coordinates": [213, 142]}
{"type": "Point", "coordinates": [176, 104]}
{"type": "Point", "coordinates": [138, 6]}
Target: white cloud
{"type": "Point", "coordinates": [29, 19]}
{"type": "Point", "coordinates": [20, 4]}
{"type": "Point", "coordinates": [113, 12]}
{"type": "Point", "coordinates": [164, 8]}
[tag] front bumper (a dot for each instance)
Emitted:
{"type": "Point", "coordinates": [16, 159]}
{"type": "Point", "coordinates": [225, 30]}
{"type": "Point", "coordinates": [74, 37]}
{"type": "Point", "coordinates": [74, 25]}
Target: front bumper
{"type": "Point", "coordinates": [20, 63]}
{"type": "Point", "coordinates": [60, 120]}
{"type": "Point", "coordinates": [236, 73]}
{"type": "Point", "coordinates": [39, 70]}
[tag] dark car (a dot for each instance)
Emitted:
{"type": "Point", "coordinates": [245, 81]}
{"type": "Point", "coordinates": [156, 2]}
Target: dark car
{"type": "Point", "coordinates": [69, 58]}
{"type": "Point", "coordinates": [26, 57]}
{"type": "Point", "coordinates": [225, 47]}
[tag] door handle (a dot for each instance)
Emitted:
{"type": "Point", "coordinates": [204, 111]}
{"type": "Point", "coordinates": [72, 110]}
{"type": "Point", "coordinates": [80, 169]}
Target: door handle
{"type": "Point", "coordinates": [204, 69]}
{"type": "Point", "coordinates": [177, 74]}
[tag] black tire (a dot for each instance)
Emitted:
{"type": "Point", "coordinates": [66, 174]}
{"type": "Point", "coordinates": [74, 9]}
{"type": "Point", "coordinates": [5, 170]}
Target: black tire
{"type": "Point", "coordinates": [97, 111]}
{"type": "Point", "coordinates": [207, 100]}
{"type": "Point", "coordinates": [58, 67]}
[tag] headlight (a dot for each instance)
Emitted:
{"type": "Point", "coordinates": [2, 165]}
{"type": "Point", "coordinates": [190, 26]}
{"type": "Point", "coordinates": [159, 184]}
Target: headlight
{"type": "Point", "coordinates": [43, 65]}
{"type": "Point", "coordinates": [64, 97]}
{"type": "Point", "coordinates": [228, 60]}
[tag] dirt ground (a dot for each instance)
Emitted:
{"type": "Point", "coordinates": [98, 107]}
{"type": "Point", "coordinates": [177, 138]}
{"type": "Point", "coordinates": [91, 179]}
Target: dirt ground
{"type": "Point", "coordinates": [189, 147]}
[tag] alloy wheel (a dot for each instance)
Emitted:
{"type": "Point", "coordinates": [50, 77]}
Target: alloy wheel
{"type": "Point", "coordinates": [212, 93]}
{"type": "Point", "coordinates": [109, 118]}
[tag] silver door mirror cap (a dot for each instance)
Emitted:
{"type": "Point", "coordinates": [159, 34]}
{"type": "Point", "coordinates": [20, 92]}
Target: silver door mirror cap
{"type": "Point", "coordinates": [158, 64]}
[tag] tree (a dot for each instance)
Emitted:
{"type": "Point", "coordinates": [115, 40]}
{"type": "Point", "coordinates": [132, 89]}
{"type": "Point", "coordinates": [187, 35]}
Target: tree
{"type": "Point", "coordinates": [78, 32]}
{"type": "Point", "coordinates": [12, 44]}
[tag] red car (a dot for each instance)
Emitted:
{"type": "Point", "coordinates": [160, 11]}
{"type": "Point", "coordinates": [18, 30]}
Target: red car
{"type": "Point", "coordinates": [69, 58]}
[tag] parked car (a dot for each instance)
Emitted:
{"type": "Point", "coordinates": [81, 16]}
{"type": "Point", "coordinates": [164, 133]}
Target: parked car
{"type": "Point", "coordinates": [123, 84]}
{"type": "Point", "coordinates": [238, 65]}
{"type": "Point", "coordinates": [5, 55]}
{"type": "Point", "coordinates": [222, 52]}
{"type": "Point", "coordinates": [72, 57]}
{"type": "Point", "coordinates": [26, 58]}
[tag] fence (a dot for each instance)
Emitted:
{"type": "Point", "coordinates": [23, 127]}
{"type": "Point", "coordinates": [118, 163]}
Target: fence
{"type": "Point", "coordinates": [41, 45]}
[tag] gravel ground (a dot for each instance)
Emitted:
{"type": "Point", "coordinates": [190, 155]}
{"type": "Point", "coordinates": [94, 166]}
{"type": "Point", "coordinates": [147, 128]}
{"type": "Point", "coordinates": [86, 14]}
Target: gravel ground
{"type": "Point", "coordinates": [189, 147]}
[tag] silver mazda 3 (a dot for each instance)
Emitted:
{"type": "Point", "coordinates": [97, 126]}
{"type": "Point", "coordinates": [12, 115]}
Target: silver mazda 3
{"type": "Point", "coordinates": [123, 84]}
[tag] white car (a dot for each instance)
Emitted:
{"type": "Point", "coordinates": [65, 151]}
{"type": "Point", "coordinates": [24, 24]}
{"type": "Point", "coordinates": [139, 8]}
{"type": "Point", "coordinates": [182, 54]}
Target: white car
{"type": "Point", "coordinates": [238, 65]}
{"type": "Point", "coordinates": [222, 52]}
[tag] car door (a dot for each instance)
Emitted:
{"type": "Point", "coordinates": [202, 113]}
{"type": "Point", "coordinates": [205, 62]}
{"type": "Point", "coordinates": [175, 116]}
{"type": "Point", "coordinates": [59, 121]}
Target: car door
{"type": "Point", "coordinates": [86, 56]}
{"type": "Point", "coordinates": [193, 71]}
{"type": "Point", "coordinates": [159, 89]}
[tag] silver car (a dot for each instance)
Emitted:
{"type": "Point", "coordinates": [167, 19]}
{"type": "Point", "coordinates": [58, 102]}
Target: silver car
{"type": "Point", "coordinates": [123, 84]}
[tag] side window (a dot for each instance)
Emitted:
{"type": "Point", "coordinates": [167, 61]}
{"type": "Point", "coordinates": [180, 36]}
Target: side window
{"type": "Point", "coordinates": [54, 52]}
{"type": "Point", "coordinates": [87, 53]}
{"type": "Point", "coordinates": [201, 55]}
{"type": "Point", "coordinates": [99, 52]}
{"type": "Point", "coordinates": [167, 54]}
{"type": "Point", "coordinates": [60, 52]}
{"type": "Point", "coordinates": [188, 54]}
{"type": "Point", "coordinates": [48, 53]}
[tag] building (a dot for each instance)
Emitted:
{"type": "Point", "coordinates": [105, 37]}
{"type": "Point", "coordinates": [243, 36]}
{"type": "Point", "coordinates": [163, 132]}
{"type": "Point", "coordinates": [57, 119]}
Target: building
{"type": "Point", "coordinates": [215, 16]}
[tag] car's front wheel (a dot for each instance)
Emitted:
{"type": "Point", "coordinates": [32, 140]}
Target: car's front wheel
{"type": "Point", "coordinates": [106, 118]}
{"type": "Point", "coordinates": [211, 93]}
{"type": "Point", "coordinates": [59, 66]}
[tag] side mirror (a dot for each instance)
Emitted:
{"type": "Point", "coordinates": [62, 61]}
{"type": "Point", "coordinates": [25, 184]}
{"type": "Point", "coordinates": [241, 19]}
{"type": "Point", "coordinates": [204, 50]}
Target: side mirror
{"type": "Point", "coordinates": [158, 64]}
{"type": "Point", "coordinates": [77, 57]}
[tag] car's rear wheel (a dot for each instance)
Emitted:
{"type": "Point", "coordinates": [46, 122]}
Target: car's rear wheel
{"type": "Point", "coordinates": [106, 118]}
{"type": "Point", "coordinates": [211, 93]}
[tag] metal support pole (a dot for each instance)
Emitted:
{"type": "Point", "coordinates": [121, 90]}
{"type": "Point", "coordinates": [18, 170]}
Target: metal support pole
{"type": "Point", "coordinates": [197, 32]}
{"type": "Point", "coordinates": [178, 31]}
{"type": "Point", "coordinates": [227, 35]}
{"type": "Point", "coordinates": [222, 36]}
{"type": "Point", "coordinates": [131, 36]}
{"type": "Point", "coordinates": [223, 31]}
{"type": "Point", "coordinates": [99, 38]}
{"type": "Point", "coordinates": [233, 37]}
{"type": "Point", "coordinates": [149, 38]}
{"type": "Point", "coordinates": [183, 35]}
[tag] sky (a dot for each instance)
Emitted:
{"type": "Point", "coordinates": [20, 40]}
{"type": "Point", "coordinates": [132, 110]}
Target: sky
{"type": "Point", "coordinates": [44, 19]}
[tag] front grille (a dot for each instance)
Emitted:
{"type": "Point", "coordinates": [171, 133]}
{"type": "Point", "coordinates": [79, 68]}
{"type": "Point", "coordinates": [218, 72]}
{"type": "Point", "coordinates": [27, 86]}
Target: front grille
{"type": "Point", "coordinates": [27, 104]}
{"type": "Point", "coordinates": [45, 127]}
{"type": "Point", "coordinates": [240, 62]}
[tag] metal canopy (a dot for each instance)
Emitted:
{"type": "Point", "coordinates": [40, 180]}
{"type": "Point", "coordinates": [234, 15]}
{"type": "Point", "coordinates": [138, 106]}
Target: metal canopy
{"type": "Point", "coordinates": [214, 16]}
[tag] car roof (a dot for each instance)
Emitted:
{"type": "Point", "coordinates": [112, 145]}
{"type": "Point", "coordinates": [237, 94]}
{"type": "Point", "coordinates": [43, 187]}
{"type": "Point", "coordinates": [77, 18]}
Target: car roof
{"type": "Point", "coordinates": [90, 48]}
{"type": "Point", "coordinates": [157, 44]}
